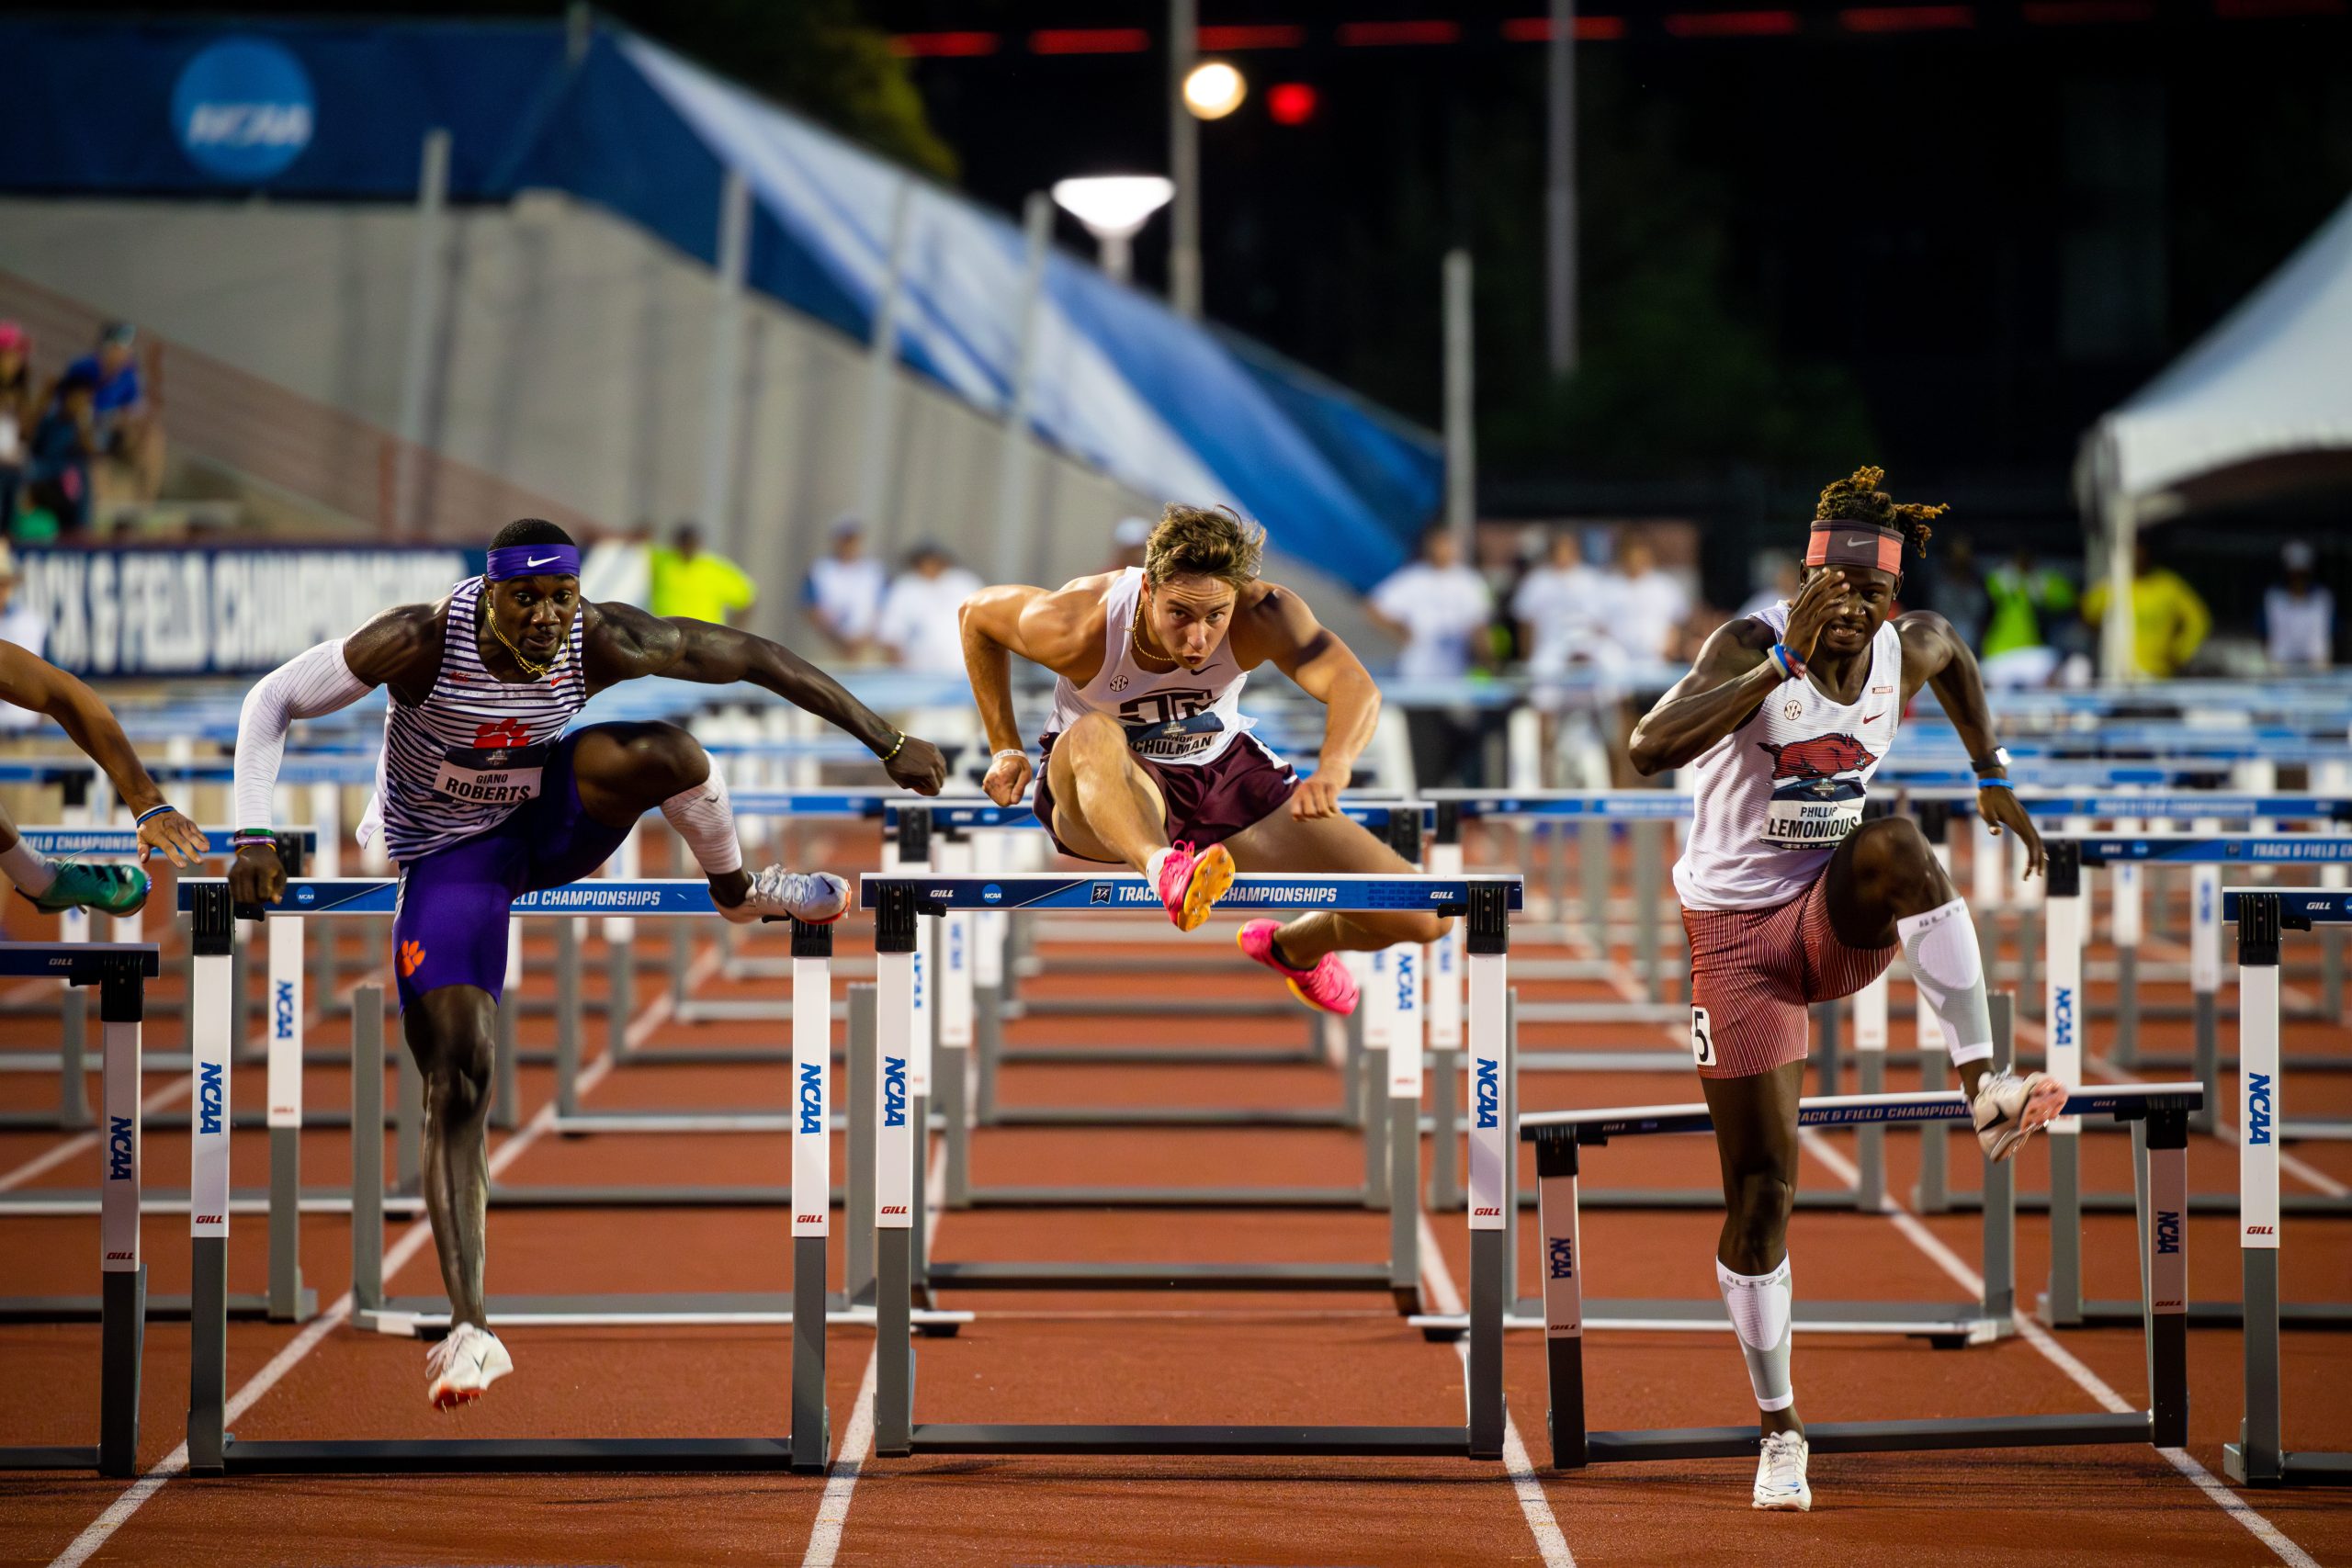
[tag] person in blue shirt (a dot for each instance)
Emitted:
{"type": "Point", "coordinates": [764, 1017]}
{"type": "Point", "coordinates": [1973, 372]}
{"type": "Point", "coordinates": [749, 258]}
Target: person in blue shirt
{"type": "Point", "coordinates": [57, 466]}
{"type": "Point", "coordinates": [128, 434]}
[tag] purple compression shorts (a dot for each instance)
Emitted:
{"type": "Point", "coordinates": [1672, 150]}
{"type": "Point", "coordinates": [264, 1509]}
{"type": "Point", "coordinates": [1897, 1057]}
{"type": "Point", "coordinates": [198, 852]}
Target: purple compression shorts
{"type": "Point", "coordinates": [450, 928]}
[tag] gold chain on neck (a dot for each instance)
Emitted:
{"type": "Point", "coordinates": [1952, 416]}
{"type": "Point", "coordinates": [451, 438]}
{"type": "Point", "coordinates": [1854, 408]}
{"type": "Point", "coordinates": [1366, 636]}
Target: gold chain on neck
{"type": "Point", "coordinates": [531, 666]}
{"type": "Point", "coordinates": [1134, 636]}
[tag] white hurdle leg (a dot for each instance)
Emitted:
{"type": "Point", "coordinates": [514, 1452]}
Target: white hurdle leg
{"type": "Point", "coordinates": [1493, 1144]}
{"type": "Point", "coordinates": [2205, 977]}
{"type": "Point", "coordinates": [2259, 1456]}
{"type": "Point", "coordinates": [960, 937]}
{"type": "Point", "coordinates": [213, 1011]}
{"type": "Point", "coordinates": [122, 1269]}
{"type": "Point", "coordinates": [1445, 1040]}
{"type": "Point", "coordinates": [288, 1302]}
{"type": "Point", "coordinates": [812, 1184]}
{"type": "Point", "coordinates": [2128, 892]}
{"type": "Point", "coordinates": [2064, 1016]}
{"type": "Point", "coordinates": [1870, 1065]}
{"type": "Point", "coordinates": [1404, 1126]}
{"type": "Point", "coordinates": [894, 939]}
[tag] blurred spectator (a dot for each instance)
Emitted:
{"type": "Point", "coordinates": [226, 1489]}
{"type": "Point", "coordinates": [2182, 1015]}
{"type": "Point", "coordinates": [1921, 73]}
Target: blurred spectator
{"type": "Point", "coordinates": [2024, 599]}
{"type": "Point", "coordinates": [1438, 607]}
{"type": "Point", "coordinates": [24, 627]}
{"type": "Point", "coordinates": [2299, 614]}
{"type": "Point", "coordinates": [694, 584]}
{"type": "Point", "coordinates": [1647, 606]}
{"type": "Point", "coordinates": [128, 438]}
{"type": "Point", "coordinates": [2168, 620]}
{"type": "Point", "coordinates": [1127, 541]}
{"type": "Point", "coordinates": [1957, 590]}
{"type": "Point", "coordinates": [1562, 608]}
{"type": "Point", "coordinates": [19, 412]}
{"type": "Point", "coordinates": [843, 590]}
{"type": "Point", "coordinates": [619, 567]}
{"type": "Point", "coordinates": [57, 467]}
{"type": "Point", "coordinates": [1779, 581]}
{"type": "Point", "coordinates": [919, 625]}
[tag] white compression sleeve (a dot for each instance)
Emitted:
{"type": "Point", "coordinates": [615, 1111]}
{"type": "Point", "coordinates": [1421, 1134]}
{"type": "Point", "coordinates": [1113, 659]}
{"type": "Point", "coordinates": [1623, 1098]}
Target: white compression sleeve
{"type": "Point", "coordinates": [706, 820]}
{"type": "Point", "coordinates": [311, 683]}
{"type": "Point", "coordinates": [1940, 947]}
{"type": "Point", "coordinates": [1760, 1314]}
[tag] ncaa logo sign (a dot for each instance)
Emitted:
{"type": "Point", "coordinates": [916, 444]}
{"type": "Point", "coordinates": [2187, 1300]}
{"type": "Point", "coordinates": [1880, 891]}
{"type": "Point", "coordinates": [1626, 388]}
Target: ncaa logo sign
{"type": "Point", "coordinates": [1490, 1093]}
{"type": "Point", "coordinates": [1562, 1262]}
{"type": "Point", "coordinates": [2167, 1230]}
{"type": "Point", "coordinates": [812, 1098]}
{"type": "Point", "coordinates": [282, 1016]}
{"type": "Point", "coordinates": [1407, 991]}
{"type": "Point", "coordinates": [2062, 1017]}
{"type": "Point", "coordinates": [893, 1092]}
{"type": "Point", "coordinates": [2258, 1109]}
{"type": "Point", "coordinates": [244, 109]}
{"type": "Point", "coordinates": [117, 1148]}
{"type": "Point", "coordinates": [208, 1094]}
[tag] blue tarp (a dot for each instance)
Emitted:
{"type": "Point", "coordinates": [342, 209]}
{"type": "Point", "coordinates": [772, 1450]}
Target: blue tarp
{"type": "Point", "coordinates": [327, 110]}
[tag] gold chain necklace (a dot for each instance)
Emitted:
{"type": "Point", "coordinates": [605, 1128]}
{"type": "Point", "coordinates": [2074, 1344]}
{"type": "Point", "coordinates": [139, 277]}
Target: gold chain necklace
{"type": "Point", "coordinates": [1134, 638]}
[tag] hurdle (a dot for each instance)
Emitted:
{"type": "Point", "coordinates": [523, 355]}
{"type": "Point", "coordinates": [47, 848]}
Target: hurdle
{"type": "Point", "coordinates": [2259, 1457]}
{"type": "Point", "coordinates": [213, 1450]}
{"type": "Point", "coordinates": [1485, 902]}
{"type": "Point", "coordinates": [1560, 1136]}
{"type": "Point", "coordinates": [121, 970]}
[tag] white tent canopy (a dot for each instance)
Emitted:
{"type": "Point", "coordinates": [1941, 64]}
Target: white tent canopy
{"type": "Point", "coordinates": [2262, 401]}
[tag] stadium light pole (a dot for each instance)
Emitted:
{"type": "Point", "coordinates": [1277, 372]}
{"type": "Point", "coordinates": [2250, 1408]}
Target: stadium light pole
{"type": "Point", "coordinates": [1184, 160]}
{"type": "Point", "coordinates": [1113, 208]}
{"type": "Point", "coordinates": [1560, 203]}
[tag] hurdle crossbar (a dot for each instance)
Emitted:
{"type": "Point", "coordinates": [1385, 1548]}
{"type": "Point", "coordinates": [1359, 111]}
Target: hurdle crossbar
{"type": "Point", "coordinates": [1560, 1136]}
{"type": "Point", "coordinates": [900, 900]}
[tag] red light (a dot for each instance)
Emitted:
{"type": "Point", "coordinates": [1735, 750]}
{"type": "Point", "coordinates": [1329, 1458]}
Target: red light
{"type": "Point", "coordinates": [917, 45]}
{"type": "Point", "coordinates": [1905, 18]}
{"type": "Point", "coordinates": [1089, 41]}
{"type": "Point", "coordinates": [1731, 23]}
{"type": "Point", "coordinates": [1222, 40]}
{"type": "Point", "coordinates": [1373, 35]}
{"type": "Point", "coordinates": [1291, 103]}
{"type": "Point", "coordinates": [1538, 30]}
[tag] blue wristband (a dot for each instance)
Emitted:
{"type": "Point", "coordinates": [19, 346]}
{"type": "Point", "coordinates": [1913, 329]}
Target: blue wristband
{"type": "Point", "coordinates": [1785, 660]}
{"type": "Point", "coordinates": [1997, 783]}
{"type": "Point", "coordinates": [154, 811]}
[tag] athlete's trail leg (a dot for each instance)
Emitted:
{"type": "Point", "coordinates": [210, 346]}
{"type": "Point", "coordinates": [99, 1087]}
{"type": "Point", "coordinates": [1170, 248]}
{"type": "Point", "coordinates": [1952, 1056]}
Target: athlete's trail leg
{"type": "Point", "coordinates": [1277, 842]}
{"type": "Point", "coordinates": [1885, 884]}
{"type": "Point", "coordinates": [450, 1031]}
{"type": "Point", "coordinates": [626, 769]}
{"type": "Point", "coordinates": [1756, 1140]}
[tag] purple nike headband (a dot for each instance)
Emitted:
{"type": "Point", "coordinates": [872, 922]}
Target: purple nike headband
{"type": "Point", "coordinates": [532, 560]}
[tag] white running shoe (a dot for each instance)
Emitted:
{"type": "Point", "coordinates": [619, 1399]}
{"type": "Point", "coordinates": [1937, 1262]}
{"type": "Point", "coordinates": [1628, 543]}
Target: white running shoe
{"type": "Point", "coordinates": [463, 1366]}
{"type": "Point", "coordinates": [2008, 1108]}
{"type": "Point", "coordinates": [812, 898]}
{"type": "Point", "coordinates": [1780, 1473]}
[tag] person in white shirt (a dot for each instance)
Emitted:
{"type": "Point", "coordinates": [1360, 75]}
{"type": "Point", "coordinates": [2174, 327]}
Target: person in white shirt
{"type": "Point", "coordinates": [1438, 607]}
{"type": "Point", "coordinates": [2299, 614]}
{"type": "Point", "coordinates": [1647, 606]}
{"type": "Point", "coordinates": [1563, 612]}
{"type": "Point", "coordinates": [843, 590]}
{"type": "Point", "coordinates": [918, 624]}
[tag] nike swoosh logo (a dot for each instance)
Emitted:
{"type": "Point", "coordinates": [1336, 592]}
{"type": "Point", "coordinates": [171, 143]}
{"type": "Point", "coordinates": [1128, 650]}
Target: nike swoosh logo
{"type": "Point", "coordinates": [1873, 718]}
{"type": "Point", "coordinates": [1858, 544]}
{"type": "Point", "coordinates": [537, 561]}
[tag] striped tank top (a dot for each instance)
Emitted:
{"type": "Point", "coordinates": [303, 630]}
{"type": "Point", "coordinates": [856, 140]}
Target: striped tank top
{"type": "Point", "coordinates": [460, 761]}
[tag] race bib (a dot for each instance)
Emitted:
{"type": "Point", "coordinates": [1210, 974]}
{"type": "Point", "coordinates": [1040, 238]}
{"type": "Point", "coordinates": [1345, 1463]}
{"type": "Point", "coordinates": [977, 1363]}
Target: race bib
{"type": "Point", "coordinates": [1795, 822]}
{"type": "Point", "coordinates": [507, 776]}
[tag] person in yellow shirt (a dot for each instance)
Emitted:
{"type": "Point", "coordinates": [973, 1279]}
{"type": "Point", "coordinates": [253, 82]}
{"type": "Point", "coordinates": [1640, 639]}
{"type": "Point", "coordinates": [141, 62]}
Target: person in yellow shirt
{"type": "Point", "coordinates": [690, 582]}
{"type": "Point", "coordinates": [2168, 620]}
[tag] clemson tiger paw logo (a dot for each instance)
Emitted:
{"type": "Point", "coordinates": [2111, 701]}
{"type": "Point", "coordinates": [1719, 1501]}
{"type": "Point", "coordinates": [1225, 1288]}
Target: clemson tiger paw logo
{"type": "Point", "coordinates": [412, 956]}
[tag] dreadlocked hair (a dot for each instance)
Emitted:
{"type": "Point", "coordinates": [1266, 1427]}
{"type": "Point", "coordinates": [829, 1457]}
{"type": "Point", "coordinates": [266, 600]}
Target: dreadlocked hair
{"type": "Point", "coordinates": [1858, 498]}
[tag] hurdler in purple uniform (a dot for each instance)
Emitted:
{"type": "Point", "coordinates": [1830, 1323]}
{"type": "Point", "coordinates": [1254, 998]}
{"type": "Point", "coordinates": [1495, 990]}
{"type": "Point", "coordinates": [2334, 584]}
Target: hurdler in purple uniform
{"type": "Point", "coordinates": [482, 795]}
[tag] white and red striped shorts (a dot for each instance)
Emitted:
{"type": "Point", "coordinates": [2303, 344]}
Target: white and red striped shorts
{"type": "Point", "coordinates": [1753, 974]}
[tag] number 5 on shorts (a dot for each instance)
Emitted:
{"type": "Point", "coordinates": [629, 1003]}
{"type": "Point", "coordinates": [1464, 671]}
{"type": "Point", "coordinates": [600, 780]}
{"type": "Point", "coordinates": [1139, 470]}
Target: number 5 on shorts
{"type": "Point", "coordinates": [1703, 1038]}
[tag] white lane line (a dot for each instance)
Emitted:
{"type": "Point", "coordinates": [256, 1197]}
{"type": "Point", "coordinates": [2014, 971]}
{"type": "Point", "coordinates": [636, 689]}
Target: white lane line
{"type": "Point", "coordinates": [396, 1257]}
{"type": "Point", "coordinates": [1932, 1245]}
{"type": "Point", "coordinates": [858, 1443]}
{"type": "Point", "coordinates": [1551, 1541]}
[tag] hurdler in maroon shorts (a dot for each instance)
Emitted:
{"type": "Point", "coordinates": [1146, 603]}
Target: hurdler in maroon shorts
{"type": "Point", "coordinates": [1147, 760]}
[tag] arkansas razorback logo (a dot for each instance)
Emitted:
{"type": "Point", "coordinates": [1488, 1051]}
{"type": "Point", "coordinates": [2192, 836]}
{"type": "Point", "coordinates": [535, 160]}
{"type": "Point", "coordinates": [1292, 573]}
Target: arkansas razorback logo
{"type": "Point", "coordinates": [502, 732]}
{"type": "Point", "coordinates": [1822, 757]}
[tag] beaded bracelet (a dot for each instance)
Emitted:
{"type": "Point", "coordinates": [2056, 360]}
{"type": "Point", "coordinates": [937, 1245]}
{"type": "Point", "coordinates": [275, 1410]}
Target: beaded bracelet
{"type": "Point", "coordinates": [244, 836]}
{"type": "Point", "coordinates": [154, 811]}
{"type": "Point", "coordinates": [1784, 659]}
{"type": "Point", "coordinates": [895, 750]}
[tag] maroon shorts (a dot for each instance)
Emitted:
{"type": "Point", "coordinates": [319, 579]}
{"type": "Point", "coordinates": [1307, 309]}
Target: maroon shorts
{"type": "Point", "coordinates": [1753, 974]}
{"type": "Point", "coordinates": [1207, 803]}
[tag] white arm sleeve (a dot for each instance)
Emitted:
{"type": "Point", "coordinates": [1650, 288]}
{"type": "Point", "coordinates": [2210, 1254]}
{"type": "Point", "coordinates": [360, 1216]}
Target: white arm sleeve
{"type": "Point", "coordinates": [305, 686]}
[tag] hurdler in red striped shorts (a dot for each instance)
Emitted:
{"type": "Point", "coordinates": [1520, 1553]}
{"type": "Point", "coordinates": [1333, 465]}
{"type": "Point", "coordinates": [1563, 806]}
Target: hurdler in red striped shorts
{"type": "Point", "coordinates": [1753, 974]}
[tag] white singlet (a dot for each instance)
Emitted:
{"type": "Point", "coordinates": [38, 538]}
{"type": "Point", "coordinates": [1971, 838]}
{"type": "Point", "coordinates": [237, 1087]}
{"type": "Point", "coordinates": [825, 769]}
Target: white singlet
{"type": "Point", "coordinates": [463, 760]}
{"type": "Point", "coordinates": [1177, 717]}
{"type": "Point", "coordinates": [1777, 794]}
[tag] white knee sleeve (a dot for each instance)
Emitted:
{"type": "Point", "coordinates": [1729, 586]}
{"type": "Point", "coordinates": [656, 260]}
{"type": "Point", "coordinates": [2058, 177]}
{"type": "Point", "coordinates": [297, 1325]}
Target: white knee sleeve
{"type": "Point", "coordinates": [1940, 947]}
{"type": "Point", "coordinates": [707, 821]}
{"type": "Point", "coordinates": [1759, 1309]}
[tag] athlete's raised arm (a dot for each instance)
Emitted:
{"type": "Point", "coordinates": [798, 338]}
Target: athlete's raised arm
{"type": "Point", "coordinates": [1282, 628]}
{"type": "Point", "coordinates": [625, 643]}
{"type": "Point", "coordinates": [401, 647]}
{"type": "Point", "coordinates": [1049, 626]}
{"type": "Point", "coordinates": [1733, 674]}
{"type": "Point", "coordinates": [1934, 655]}
{"type": "Point", "coordinates": [33, 682]}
